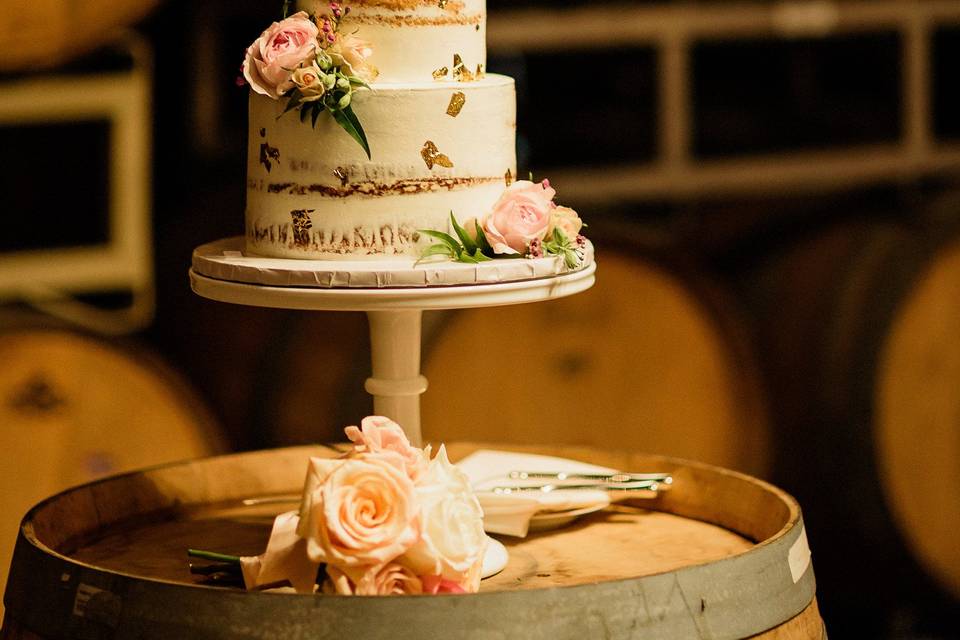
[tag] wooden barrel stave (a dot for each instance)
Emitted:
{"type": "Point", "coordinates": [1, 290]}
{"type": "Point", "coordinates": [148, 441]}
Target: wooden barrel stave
{"type": "Point", "coordinates": [856, 330]}
{"type": "Point", "coordinates": [75, 407]}
{"type": "Point", "coordinates": [704, 590]}
{"type": "Point", "coordinates": [653, 357]}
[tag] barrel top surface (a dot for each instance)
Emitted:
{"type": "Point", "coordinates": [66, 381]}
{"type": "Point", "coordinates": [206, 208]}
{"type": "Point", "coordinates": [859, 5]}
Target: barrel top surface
{"type": "Point", "coordinates": [701, 543]}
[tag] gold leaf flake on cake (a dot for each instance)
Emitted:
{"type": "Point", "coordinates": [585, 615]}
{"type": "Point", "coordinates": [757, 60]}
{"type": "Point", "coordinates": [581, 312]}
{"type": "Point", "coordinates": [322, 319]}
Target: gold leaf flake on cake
{"type": "Point", "coordinates": [341, 175]}
{"type": "Point", "coordinates": [432, 156]}
{"type": "Point", "coordinates": [479, 71]}
{"type": "Point", "coordinates": [268, 155]}
{"type": "Point", "coordinates": [460, 72]}
{"type": "Point", "coordinates": [301, 220]}
{"type": "Point", "coordinates": [301, 226]}
{"type": "Point", "coordinates": [440, 73]}
{"type": "Point", "coordinates": [442, 4]}
{"type": "Point", "coordinates": [457, 100]}
{"type": "Point", "coordinates": [508, 177]}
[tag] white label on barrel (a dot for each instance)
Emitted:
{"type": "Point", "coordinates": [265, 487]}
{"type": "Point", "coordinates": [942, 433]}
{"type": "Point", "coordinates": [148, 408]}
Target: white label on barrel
{"type": "Point", "coordinates": [799, 556]}
{"type": "Point", "coordinates": [84, 593]}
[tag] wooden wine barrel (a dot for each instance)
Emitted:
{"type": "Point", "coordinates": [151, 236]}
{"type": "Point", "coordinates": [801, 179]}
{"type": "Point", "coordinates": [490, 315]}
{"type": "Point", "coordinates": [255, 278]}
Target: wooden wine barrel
{"type": "Point", "coordinates": [37, 34]}
{"type": "Point", "coordinates": [720, 555]}
{"type": "Point", "coordinates": [650, 358]}
{"type": "Point", "coordinates": [74, 408]}
{"type": "Point", "coordinates": [859, 330]}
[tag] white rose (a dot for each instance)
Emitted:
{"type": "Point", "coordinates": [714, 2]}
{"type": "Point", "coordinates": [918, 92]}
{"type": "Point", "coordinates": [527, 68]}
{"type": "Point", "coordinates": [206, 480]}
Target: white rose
{"type": "Point", "coordinates": [452, 540]}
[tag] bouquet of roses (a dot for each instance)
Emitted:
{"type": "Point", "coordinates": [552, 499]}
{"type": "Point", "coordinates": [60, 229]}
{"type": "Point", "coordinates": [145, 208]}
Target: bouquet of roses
{"type": "Point", "coordinates": [383, 519]}
{"type": "Point", "coordinates": [309, 62]}
{"type": "Point", "coordinates": [524, 222]}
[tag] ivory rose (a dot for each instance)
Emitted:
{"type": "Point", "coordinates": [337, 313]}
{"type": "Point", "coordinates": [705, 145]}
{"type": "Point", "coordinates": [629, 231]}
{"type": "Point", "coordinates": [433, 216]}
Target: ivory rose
{"type": "Point", "coordinates": [391, 579]}
{"type": "Point", "coordinates": [272, 58]}
{"type": "Point", "coordinates": [285, 559]}
{"type": "Point", "coordinates": [567, 220]}
{"type": "Point", "coordinates": [354, 54]}
{"type": "Point", "coordinates": [520, 216]}
{"type": "Point", "coordinates": [452, 542]}
{"type": "Point", "coordinates": [378, 434]}
{"type": "Point", "coordinates": [307, 80]}
{"type": "Point", "coordinates": [358, 512]}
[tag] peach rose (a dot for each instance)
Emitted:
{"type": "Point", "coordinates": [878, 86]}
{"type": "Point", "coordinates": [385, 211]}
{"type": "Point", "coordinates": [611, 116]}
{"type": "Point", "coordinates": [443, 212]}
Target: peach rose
{"type": "Point", "coordinates": [391, 579]}
{"type": "Point", "coordinates": [452, 542]}
{"type": "Point", "coordinates": [307, 80]}
{"type": "Point", "coordinates": [285, 559]}
{"type": "Point", "coordinates": [520, 216]}
{"type": "Point", "coordinates": [567, 220]}
{"type": "Point", "coordinates": [354, 53]}
{"type": "Point", "coordinates": [378, 434]}
{"type": "Point", "coordinates": [271, 59]}
{"type": "Point", "coordinates": [358, 512]}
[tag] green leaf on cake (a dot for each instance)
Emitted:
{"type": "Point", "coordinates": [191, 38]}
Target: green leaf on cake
{"type": "Point", "coordinates": [479, 257]}
{"type": "Point", "coordinates": [482, 243]}
{"type": "Point", "coordinates": [445, 238]}
{"type": "Point", "coordinates": [436, 250]}
{"type": "Point", "coordinates": [316, 109]}
{"type": "Point", "coordinates": [468, 243]}
{"type": "Point", "coordinates": [293, 102]}
{"type": "Point", "coordinates": [347, 119]}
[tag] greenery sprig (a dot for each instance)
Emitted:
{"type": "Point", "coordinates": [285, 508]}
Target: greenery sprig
{"type": "Point", "coordinates": [560, 245]}
{"type": "Point", "coordinates": [463, 248]}
{"type": "Point", "coordinates": [473, 249]}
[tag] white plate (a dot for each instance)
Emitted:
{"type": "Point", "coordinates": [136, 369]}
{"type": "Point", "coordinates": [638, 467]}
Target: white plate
{"type": "Point", "coordinates": [495, 559]}
{"type": "Point", "coordinates": [547, 520]}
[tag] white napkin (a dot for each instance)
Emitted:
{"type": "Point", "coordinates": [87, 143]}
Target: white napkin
{"type": "Point", "coordinates": [511, 514]}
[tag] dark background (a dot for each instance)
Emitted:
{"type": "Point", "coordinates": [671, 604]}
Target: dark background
{"type": "Point", "coordinates": [750, 95]}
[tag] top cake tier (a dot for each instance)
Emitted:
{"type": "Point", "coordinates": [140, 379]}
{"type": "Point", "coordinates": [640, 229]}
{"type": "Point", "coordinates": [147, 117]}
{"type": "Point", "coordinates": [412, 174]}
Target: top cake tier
{"type": "Point", "coordinates": [412, 39]}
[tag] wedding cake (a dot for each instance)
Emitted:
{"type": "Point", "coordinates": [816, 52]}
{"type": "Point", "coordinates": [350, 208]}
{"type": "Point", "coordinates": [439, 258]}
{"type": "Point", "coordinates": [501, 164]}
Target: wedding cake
{"type": "Point", "coordinates": [374, 130]}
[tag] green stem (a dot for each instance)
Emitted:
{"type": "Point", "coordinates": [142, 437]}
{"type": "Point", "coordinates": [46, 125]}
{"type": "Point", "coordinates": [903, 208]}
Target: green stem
{"type": "Point", "coordinates": [210, 555]}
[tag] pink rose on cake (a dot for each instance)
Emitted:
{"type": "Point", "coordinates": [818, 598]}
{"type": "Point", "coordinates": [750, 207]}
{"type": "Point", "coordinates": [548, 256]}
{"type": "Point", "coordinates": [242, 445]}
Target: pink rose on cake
{"type": "Point", "coordinates": [358, 512]}
{"type": "Point", "coordinates": [567, 220]}
{"type": "Point", "coordinates": [452, 541]}
{"type": "Point", "coordinates": [354, 54]}
{"type": "Point", "coordinates": [378, 435]}
{"type": "Point", "coordinates": [272, 58]}
{"type": "Point", "coordinates": [520, 216]}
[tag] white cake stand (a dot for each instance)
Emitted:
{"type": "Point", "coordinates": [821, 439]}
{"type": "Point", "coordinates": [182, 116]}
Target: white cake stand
{"type": "Point", "coordinates": [394, 295]}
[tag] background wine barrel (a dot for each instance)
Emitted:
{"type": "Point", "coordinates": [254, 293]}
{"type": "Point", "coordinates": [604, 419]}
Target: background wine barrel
{"type": "Point", "coordinates": [651, 357]}
{"type": "Point", "coordinates": [37, 34]}
{"type": "Point", "coordinates": [859, 332]}
{"type": "Point", "coordinates": [74, 408]}
{"type": "Point", "coordinates": [720, 554]}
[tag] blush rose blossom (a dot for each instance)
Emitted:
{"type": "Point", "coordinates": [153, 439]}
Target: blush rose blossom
{"type": "Point", "coordinates": [521, 215]}
{"type": "Point", "coordinates": [378, 434]}
{"type": "Point", "coordinates": [567, 220]}
{"type": "Point", "coordinates": [390, 579]}
{"type": "Point", "coordinates": [354, 54]}
{"type": "Point", "coordinates": [358, 512]}
{"type": "Point", "coordinates": [280, 49]}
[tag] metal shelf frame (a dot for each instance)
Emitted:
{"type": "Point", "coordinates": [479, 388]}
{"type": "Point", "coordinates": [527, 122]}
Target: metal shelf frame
{"type": "Point", "coordinates": [673, 29]}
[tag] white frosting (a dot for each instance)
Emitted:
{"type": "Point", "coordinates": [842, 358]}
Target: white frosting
{"type": "Point", "coordinates": [350, 206]}
{"type": "Point", "coordinates": [413, 38]}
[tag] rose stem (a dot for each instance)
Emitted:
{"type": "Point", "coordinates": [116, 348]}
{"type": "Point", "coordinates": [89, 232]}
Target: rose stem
{"type": "Point", "coordinates": [210, 555]}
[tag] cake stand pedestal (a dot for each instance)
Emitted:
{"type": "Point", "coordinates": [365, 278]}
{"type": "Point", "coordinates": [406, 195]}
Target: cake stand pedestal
{"type": "Point", "coordinates": [393, 293]}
